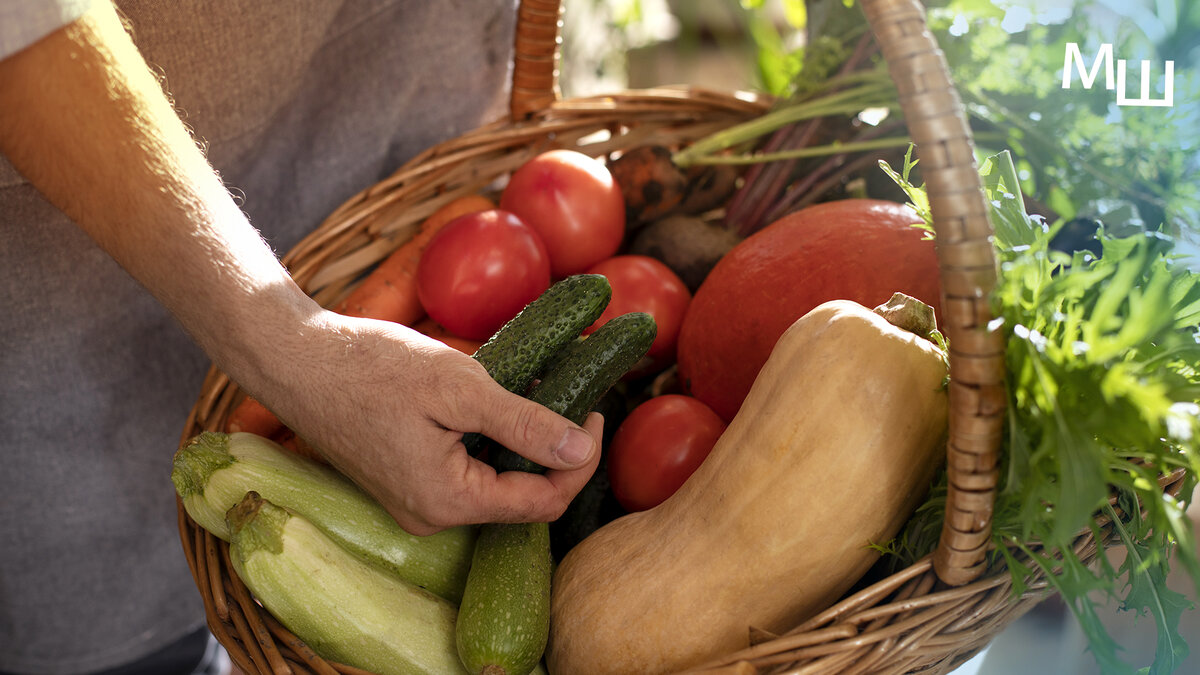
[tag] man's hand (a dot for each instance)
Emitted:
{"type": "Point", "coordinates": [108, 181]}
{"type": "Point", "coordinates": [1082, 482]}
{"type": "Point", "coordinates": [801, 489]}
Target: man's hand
{"type": "Point", "coordinates": [83, 118]}
{"type": "Point", "coordinates": [388, 406]}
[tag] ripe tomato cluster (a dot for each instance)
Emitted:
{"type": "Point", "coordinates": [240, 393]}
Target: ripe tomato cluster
{"type": "Point", "coordinates": [562, 213]}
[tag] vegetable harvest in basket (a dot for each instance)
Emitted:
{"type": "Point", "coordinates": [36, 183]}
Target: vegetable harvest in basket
{"type": "Point", "coordinates": [1103, 371]}
{"type": "Point", "coordinates": [335, 569]}
{"type": "Point", "coordinates": [1102, 360]}
{"type": "Point", "coordinates": [818, 471]}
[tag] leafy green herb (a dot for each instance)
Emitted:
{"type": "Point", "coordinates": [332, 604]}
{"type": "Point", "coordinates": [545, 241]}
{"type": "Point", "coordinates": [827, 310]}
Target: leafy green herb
{"type": "Point", "coordinates": [1103, 366]}
{"type": "Point", "coordinates": [916, 196]}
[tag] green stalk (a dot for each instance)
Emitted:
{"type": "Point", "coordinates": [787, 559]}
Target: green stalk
{"type": "Point", "coordinates": [802, 153]}
{"type": "Point", "coordinates": [848, 102]}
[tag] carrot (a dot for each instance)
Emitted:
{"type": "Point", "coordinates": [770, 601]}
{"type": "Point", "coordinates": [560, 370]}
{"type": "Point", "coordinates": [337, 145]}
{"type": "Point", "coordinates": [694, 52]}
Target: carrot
{"type": "Point", "coordinates": [650, 183]}
{"type": "Point", "coordinates": [252, 416]}
{"type": "Point", "coordinates": [298, 445]}
{"type": "Point", "coordinates": [436, 331]}
{"type": "Point", "coordinates": [389, 292]}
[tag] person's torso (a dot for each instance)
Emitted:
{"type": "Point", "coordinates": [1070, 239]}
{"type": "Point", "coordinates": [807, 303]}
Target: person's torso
{"type": "Point", "coordinates": [300, 105]}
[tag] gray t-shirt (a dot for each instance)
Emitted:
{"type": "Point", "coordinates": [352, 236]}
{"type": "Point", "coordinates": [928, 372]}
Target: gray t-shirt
{"type": "Point", "coordinates": [301, 105]}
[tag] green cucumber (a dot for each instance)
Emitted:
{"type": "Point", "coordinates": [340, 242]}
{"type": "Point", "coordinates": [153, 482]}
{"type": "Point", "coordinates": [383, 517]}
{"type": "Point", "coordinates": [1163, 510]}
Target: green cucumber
{"type": "Point", "coordinates": [504, 618]}
{"type": "Point", "coordinates": [520, 350]}
{"type": "Point", "coordinates": [582, 374]}
{"type": "Point", "coordinates": [346, 610]}
{"type": "Point", "coordinates": [595, 505]}
{"type": "Point", "coordinates": [214, 470]}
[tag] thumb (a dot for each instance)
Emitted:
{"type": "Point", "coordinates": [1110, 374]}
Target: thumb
{"type": "Point", "coordinates": [537, 433]}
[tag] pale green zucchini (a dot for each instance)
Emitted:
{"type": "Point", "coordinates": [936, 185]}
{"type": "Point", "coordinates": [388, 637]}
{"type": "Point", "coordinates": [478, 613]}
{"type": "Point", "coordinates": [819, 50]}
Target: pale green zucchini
{"type": "Point", "coordinates": [213, 471]}
{"type": "Point", "coordinates": [344, 609]}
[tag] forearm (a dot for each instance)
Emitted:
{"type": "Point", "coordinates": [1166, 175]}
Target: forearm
{"type": "Point", "coordinates": [84, 119]}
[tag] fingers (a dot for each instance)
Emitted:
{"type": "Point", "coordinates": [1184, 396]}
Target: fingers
{"type": "Point", "coordinates": [442, 486]}
{"type": "Point", "coordinates": [515, 496]}
{"type": "Point", "coordinates": [529, 429]}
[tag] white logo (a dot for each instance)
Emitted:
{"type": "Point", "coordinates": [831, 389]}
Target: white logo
{"type": "Point", "coordinates": [1073, 61]}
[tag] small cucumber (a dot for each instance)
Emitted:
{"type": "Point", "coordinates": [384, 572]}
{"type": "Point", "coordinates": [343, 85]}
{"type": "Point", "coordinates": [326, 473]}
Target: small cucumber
{"type": "Point", "coordinates": [520, 350]}
{"type": "Point", "coordinates": [502, 627]}
{"type": "Point", "coordinates": [583, 373]}
{"type": "Point", "coordinates": [504, 618]}
{"type": "Point", "coordinates": [346, 610]}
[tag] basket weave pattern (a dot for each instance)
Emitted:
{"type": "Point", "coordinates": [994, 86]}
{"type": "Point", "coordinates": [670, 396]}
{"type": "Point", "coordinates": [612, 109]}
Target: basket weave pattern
{"type": "Point", "coordinates": [930, 617]}
{"type": "Point", "coordinates": [937, 124]}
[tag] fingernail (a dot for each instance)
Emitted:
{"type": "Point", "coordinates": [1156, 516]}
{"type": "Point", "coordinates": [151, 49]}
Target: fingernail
{"type": "Point", "coordinates": [575, 446]}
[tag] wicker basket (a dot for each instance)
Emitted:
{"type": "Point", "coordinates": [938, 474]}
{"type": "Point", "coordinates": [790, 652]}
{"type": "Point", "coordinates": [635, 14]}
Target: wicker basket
{"type": "Point", "coordinates": [930, 617]}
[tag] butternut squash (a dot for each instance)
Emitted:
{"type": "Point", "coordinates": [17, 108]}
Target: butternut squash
{"type": "Point", "coordinates": [836, 445]}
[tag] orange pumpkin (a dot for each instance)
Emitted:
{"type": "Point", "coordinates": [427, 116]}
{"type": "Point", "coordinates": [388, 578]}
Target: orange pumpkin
{"type": "Point", "coordinates": [862, 250]}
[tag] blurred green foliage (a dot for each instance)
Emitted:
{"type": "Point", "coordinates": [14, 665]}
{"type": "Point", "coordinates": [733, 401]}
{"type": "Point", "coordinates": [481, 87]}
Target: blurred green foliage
{"type": "Point", "coordinates": [1080, 155]}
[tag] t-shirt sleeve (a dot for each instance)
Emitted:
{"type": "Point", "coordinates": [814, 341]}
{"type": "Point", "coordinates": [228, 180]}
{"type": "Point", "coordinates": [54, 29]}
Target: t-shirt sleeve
{"type": "Point", "coordinates": [24, 22]}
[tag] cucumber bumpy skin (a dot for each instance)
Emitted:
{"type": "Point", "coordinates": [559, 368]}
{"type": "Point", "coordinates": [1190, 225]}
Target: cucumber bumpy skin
{"type": "Point", "coordinates": [504, 618]}
{"type": "Point", "coordinates": [583, 373]}
{"type": "Point", "coordinates": [516, 353]}
{"type": "Point", "coordinates": [520, 350]}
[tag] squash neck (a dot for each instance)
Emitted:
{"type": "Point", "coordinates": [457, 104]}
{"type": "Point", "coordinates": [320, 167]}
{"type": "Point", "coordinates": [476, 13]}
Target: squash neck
{"type": "Point", "coordinates": [256, 524]}
{"type": "Point", "coordinates": [910, 314]}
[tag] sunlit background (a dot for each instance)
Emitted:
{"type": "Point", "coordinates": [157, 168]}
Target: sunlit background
{"type": "Point", "coordinates": [1079, 153]}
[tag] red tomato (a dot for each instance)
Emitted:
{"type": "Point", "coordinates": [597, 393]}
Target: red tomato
{"type": "Point", "coordinates": [573, 203]}
{"type": "Point", "coordinates": [479, 270]}
{"type": "Point", "coordinates": [658, 446]}
{"type": "Point", "coordinates": [643, 284]}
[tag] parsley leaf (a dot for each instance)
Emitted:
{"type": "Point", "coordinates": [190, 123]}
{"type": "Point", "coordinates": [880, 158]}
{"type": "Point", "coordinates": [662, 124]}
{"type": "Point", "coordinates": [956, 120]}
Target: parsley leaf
{"type": "Point", "coordinates": [1103, 364]}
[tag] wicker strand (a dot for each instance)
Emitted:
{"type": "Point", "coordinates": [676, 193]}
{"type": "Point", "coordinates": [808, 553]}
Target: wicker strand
{"type": "Point", "coordinates": [255, 651]}
{"type": "Point", "coordinates": [262, 637]}
{"type": "Point", "coordinates": [296, 646]}
{"type": "Point", "coordinates": [937, 123]}
{"type": "Point", "coordinates": [213, 564]}
{"type": "Point", "coordinates": [535, 58]}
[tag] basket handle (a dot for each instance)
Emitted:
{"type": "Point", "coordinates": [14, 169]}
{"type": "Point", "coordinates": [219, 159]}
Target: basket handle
{"type": "Point", "coordinates": [937, 124]}
{"type": "Point", "coordinates": [535, 58]}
